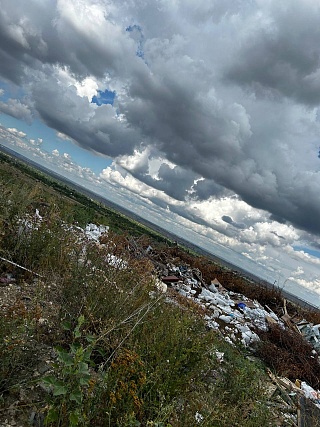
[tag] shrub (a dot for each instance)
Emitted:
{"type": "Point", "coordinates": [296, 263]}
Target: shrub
{"type": "Point", "coordinates": [289, 354]}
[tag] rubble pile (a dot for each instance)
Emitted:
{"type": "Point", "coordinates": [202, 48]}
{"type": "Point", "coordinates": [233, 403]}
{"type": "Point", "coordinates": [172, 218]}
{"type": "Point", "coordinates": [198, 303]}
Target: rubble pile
{"type": "Point", "coordinates": [234, 315]}
{"type": "Point", "coordinates": [310, 332]}
{"type": "Point", "coordinates": [238, 318]}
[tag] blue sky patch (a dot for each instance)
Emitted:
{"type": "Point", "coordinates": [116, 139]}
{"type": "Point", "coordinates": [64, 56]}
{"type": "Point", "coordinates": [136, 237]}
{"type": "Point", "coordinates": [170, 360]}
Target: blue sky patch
{"type": "Point", "coordinates": [50, 141]}
{"type": "Point", "coordinates": [106, 97]}
{"type": "Point", "coordinates": [10, 91]}
{"type": "Point", "coordinates": [309, 251]}
{"type": "Point", "coordinates": [137, 33]}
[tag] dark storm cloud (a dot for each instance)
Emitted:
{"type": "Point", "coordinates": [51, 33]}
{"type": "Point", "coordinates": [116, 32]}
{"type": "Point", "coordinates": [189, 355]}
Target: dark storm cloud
{"type": "Point", "coordinates": [21, 42]}
{"type": "Point", "coordinates": [173, 181]}
{"type": "Point", "coordinates": [228, 93]}
{"type": "Point", "coordinates": [206, 188]}
{"type": "Point", "coordinates": [93, 129]}
{"type": "Point", "coordinates": [299, 205]}
{"type": "Point", "coordinates": [10, 68]}
{"type": "Point", "coordinates": [284, 56]}
{"type": "Point", "coordinates": [277, 219]}
{"type": "Point", "coordinates": [54, 32]}
{"type": "Point", "coordinates": [183, 119]}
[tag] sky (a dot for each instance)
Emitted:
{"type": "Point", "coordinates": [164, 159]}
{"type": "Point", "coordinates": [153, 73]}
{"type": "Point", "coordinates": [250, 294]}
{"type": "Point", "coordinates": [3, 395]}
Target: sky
{"type": "Point", "coordinates": [201, 115]}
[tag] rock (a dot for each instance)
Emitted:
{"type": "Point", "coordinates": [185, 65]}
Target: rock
{"type": "Point", "coordinates": [161, 287]}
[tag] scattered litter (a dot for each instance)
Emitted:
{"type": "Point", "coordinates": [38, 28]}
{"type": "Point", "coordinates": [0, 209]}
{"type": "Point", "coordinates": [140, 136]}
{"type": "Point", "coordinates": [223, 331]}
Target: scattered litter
{"type": "Point", "coordinates": [117, 262]}
{"type": "Point", "coordinates": [235, 316]}
{"type": "Point", "coordinates": [216, 285]}
{"type": "Point", "coordinates": [242, 305]}
{"type": "Point", "coordinates": [37, 215]}
{"type": "Point", "coordinates": [220, 356]}
{"type": "Point", "coordinates": [311, 333]}
{"type": "Point", "coordinates": [226, 319]}
{"type": "Point", "coordinates": [199, 418]}
{"type": "Point", "coordinates": [311, 393]}
{"type": "Point", "coordinates": [162, 287]}
{"type": "Point", "coordinates": [94, 231]}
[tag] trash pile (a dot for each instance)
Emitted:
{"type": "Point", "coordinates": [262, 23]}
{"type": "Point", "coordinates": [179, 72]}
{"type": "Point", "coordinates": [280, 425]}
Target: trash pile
{"type": "Point", "coordinates": [234, 315]}
{"type": "Point", "coordinates": [310, 332]}
{"type": "Point", "coordinates": [237, 318]}
{"type": "Point", "coordinates": [94, 232]}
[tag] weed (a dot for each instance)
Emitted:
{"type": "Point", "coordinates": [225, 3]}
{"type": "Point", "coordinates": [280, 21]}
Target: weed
{"type": "Point", "coordinates": [70, 382]}
{"type": "Point", "coordinates": [16, 350]}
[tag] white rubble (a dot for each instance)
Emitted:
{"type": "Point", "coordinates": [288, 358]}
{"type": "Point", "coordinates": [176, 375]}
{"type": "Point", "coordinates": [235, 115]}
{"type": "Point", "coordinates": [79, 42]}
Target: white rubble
{"type": "Point", "coordinates": [94, 231]}
{"type": "Point", "coordinates": [236, 321]}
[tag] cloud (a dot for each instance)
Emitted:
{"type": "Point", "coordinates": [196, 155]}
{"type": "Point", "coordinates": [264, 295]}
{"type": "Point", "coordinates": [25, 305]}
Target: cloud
{"type": "Point", "coordinates": [17, 109]}
{"type": "Point", "coordinates": [270, 233]}
{"type": "Point", "coordinates": [301, 255]}
{"type": "Point", "coordinates": [280, 55]}
{"type": "Point", "coordinates": [62, 136]}
{"type": "Point", "coordinates": [17, 133]}
{"type": "Point", "coordinates": [312, 285]}
{"type": "Point", "coordinates": [223, 98]}
{"type": "Point", "coordinates": [87, 87]}
{"type": "Point", "coordinates": [120, 177]}
{"type": "Point", "coordinates": [298, 272]}
{"type": "Point", "coordinates": [229, 220]}
{"type": "Point", "coordinates": [36, 142]}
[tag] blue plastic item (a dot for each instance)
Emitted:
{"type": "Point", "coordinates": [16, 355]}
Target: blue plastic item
{"type": "Point", "coordinates": [242, 305]}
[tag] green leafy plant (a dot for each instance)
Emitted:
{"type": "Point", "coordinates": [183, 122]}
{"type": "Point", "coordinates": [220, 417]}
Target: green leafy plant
{"type": "Point", "coordinates": [71, 380]}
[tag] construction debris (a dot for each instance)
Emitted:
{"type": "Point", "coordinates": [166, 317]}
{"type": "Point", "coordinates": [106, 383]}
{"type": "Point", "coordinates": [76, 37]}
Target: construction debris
{"type": "Point", "coordinates": [311, 333]}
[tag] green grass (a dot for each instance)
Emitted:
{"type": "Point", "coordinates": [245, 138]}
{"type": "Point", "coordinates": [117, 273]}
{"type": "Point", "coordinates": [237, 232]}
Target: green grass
{"type": "Point", "coordinates": [123, 354]}
{"type": "Point", "coordinates": [78, 207]}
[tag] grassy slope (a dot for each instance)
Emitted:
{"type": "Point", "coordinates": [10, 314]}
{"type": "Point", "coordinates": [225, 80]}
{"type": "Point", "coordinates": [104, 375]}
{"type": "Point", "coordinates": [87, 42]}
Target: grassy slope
{"type": "Point", "coordinates": [122, 357]}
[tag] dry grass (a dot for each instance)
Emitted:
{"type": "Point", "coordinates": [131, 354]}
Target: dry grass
{"type": "Point", "coordinates": [289, 355]}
